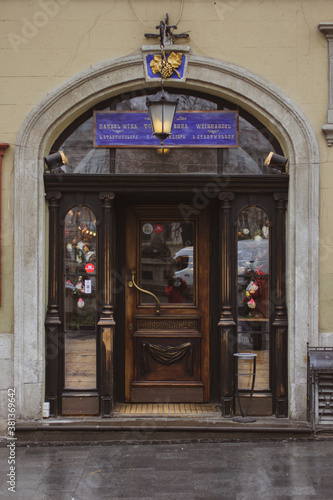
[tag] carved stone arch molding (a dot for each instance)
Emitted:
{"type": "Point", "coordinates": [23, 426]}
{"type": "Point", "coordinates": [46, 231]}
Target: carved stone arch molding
{"type": "Point", "coordinates": [61, 106]}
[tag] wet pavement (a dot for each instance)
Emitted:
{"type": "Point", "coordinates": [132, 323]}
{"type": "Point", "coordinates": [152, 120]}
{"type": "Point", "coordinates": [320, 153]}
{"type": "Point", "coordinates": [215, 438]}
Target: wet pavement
{"type": "Point", "coordinates": [205, 470]}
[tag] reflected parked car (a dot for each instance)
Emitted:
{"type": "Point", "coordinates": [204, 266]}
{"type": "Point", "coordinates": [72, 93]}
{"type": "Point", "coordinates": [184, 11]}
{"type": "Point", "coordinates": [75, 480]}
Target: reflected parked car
{"type": "Point", "coordinates": [253, 258]}
{"type": "Point", "coordinates": [184, 264]}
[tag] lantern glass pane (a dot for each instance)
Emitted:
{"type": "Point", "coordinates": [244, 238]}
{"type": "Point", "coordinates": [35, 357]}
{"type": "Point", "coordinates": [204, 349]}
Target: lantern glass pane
{"type": "Point", "coordinates": [156, 117]}
{"type": "Point", "coordinates": [169, 113]}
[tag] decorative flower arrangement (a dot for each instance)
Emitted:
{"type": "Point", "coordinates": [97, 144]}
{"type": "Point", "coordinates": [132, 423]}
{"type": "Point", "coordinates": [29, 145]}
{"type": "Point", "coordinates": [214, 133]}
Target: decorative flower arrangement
{"type": "Point", "coordinates": [253, 291]}
{"type": "Point", "coordinates": [256, 234]}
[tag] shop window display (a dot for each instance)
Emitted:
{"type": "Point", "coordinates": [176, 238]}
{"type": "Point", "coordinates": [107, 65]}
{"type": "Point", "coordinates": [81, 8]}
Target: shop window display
{"type": "Point", "coordinates": [253, 285]}
{"type": "Point", "coordinates": [80, 298]}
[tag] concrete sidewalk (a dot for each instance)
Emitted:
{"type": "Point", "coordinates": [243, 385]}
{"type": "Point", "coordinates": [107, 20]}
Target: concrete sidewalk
{"type": "Point", "coordinates": [159, 428]}
{"type": "Point", "coordinates": [285, 469]}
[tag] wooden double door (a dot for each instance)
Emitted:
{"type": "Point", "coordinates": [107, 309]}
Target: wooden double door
{"type": "Point", "coordinates": [167, 305]}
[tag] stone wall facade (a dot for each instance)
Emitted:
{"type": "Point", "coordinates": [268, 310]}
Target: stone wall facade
{"type": "Point", "coordinates": [60, 57]}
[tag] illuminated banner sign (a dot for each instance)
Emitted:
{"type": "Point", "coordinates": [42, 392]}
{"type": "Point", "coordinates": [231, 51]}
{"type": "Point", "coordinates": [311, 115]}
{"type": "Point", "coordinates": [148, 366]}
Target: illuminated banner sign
{"type": "Point", "coordinates": [132, 129]}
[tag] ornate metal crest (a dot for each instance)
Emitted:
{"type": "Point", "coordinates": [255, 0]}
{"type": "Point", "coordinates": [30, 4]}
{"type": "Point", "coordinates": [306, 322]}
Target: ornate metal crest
{"type": "Point", "coordinates": [171, 62]}
{"type": "Point", "coordinates": [166, 66]}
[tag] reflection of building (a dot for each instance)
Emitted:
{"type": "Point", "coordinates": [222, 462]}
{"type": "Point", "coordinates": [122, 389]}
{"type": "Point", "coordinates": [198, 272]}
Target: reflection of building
{"type": "Point", "coordinates": [220, 190]}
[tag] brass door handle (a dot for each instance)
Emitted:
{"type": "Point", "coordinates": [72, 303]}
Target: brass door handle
{"type": "Point", "coordinates": [132, 283]}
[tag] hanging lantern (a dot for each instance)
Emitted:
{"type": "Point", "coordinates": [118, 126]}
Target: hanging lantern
{"type": "Point", "coordinates": [162, 110]}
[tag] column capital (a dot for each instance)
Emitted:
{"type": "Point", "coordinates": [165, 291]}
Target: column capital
{"type": "Point", "coordinates": [106, 196]}
{"type": "Point", "coordinates": [280, 197]}
{"type": "Point", "coordinates": [326, 29]}
{"type": "Point", "coordinates": [226, 196]}
{"type": "Point", "coordinates": [53, 195]}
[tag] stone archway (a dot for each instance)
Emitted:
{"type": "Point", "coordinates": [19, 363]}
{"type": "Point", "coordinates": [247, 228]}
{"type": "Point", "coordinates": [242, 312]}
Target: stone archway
{"type": "Point", "coordinates": [45, 122]}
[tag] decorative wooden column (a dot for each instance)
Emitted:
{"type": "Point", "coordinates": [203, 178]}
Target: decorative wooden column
{"type": "Point", "coordinates": [280, 322]}
{"type": "Point", "coordinates": [226, 323]}
{"type": "Point", "coordinates": [3, 148]}
{"type": "Point", "coordinates": [52, 322]}
{"type": "Point", "coordinates": [106, 323]}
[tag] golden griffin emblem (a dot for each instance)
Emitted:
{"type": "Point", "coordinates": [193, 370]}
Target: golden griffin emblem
{"type": "Point", "coordinates": [166, 66]}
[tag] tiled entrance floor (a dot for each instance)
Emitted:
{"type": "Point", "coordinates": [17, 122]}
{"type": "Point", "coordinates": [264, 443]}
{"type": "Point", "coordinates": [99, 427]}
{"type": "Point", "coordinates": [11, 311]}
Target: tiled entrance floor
{"type": "Point", "coordinates": [165, 409]}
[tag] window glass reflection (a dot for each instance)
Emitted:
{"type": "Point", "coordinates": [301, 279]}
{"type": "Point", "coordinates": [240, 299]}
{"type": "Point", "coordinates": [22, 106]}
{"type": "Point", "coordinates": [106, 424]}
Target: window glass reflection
{"type": "Point", "coordinates": [80, 298]}
{"type": "Point", "coordinates": [253, 284]}
{"type": "Point", "coordinates": [83, 157]}
{"type": "Point", "coordinates": [255, 141]}
{"type": "Point", "coordinates": [167, 261]}
{"type": "Point", "coordinates": [249, 157]}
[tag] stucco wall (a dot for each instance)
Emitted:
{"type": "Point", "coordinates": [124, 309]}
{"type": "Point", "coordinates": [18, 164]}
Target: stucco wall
{"type": "Point", "coordinates": [46, 42]}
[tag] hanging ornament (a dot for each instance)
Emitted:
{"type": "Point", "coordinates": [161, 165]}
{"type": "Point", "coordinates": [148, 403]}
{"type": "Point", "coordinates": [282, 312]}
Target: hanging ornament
{"type": "Point", "coordinates": [69, 285]}
{"type": "Point", "coordinates": [251, 304]}
{"type": "Point", "coordinates": [80, 303]}
{"type": "Point", "coordinates": [252, 289]}
{"type": "Point", "coordinates": [79, 286]}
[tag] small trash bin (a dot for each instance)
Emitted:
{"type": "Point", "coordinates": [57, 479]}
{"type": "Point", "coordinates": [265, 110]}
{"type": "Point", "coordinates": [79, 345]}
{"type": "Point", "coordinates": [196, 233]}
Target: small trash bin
{"type": "Point", "coordinates": [320, 386]}
{"type": "Point", "coordinates": [251, 357]}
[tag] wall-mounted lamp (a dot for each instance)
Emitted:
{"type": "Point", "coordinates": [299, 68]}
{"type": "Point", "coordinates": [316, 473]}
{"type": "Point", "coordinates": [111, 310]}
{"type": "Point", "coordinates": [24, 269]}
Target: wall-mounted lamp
{"type": "Point", "coordinates": [56, 160]}
{"type": "Point", "coordinates": [161, 108]}
{"type": "Point", "coordinates": [276, 162]}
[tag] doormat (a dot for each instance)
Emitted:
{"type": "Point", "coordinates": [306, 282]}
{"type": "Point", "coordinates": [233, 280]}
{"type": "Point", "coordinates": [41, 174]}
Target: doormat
{"type": "Point", "coordinates": [165, 409]}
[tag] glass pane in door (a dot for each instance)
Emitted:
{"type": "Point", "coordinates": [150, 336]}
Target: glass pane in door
{"type": "Point", "coordinates": [167, 261]}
